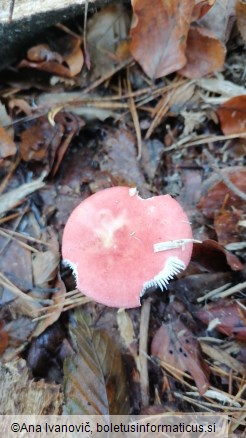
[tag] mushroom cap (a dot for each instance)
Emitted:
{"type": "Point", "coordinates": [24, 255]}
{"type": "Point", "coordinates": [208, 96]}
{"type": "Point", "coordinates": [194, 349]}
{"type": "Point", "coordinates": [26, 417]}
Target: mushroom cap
{"type": "Point", "coordinates": [109, 240]}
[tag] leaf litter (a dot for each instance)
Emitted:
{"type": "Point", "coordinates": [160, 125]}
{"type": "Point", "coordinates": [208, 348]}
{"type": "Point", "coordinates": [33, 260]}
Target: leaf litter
{"type": "Point", "coordinates": [145, 95]}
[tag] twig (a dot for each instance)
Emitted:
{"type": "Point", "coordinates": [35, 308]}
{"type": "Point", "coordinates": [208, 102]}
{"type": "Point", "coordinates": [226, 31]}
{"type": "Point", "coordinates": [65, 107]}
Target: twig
{"type": "Point", "coordinates": [212, 293]}
{"type": "Point", "coordinates": [107, 75]}
{"type": "Point", "coordinates": [85, 27]}
{"type": "Point", "coordinates": [22, 244]}
{"type": "Point", "coordinates": [25, 236]}
{"type": "Point", "coordinates": [232, 290]}
{"type": "Point", "coordinates": [11, 10]}
{"type": "Point", "coordinates": [134, 115]}
{"type": "Point", "coordinates": [68, 31]}
{"type": "Point", "coordinates": [201, 140]}
{"type": "Point", "coordinates": [163, 109]}
{"type": "Point", "coordinates": [143, 343]}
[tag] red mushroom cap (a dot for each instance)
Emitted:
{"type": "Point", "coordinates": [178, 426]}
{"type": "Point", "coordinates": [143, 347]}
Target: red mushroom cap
{"type": "Point", "coordinates": [113, 241]}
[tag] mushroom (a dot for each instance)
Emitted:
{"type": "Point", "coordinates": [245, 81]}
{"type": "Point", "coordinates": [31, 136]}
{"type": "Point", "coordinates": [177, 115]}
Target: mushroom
{"type": "Point", "coordinates": [118, 245]}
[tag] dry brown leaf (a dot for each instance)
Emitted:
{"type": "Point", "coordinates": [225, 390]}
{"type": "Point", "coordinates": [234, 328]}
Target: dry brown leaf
{"type": "Point", "coordinates": [47, 142]}
{"type": "Point", "coordinates": [106, 31]}
{"type": "Point", "coordinates": [120, 158]}
{"type": "Point", "coordinates": [20, 105]}
{"type": "Point", "coordinates": [176, 345]}
{"type": "Point", "coordinates": [229, 318]}
{"type": "Point", "coordinates": [158, 35]}
{"type": "Point", "coordinates": [43, 52]}
{"type": "Point", "coordinates": [41, 141]}
{"type": "Point", "coordinates": [75, 59]}
{"type": "Point", "coordinates": [52, 313]}
{"type": "Point", "coordinates": [7, 145]}
{"type": "Point", "coordinates": [4, 339]}
{"type": "Point", "coordinates": [226, 226]}
{"type": "Point", "coordinates": [48, 66]}
{"type": "Point", "coordinates": [214, 258]}
{"type": "Point", "coordinates": [205, 53]}
{"type": "Point", "coordinates": [44, 265]}
{"type": "Point", "coordinates": [241, 17]}
{"type": "Point", "coordinates": [216, 195]}
{"type": "Point", "coordinates": [181, 95]}
{"type": "Point", "coordinates": [220, 356]}
{"type": "Point", "coordinates": [95, 380]}
{"type": "Point", "coordinates": [14, 197]}
{"type": "Point", "coordinates": [232, 115]}
{"type": "Point", "coordinates": [19, 330]}
{"type": "Point", "coordinates": [201, 8]}
{"type": "Point", "coordinates": [220, 19]}
{"type": "Point", "coordinates": [4, 117]}
{"type": "Point", "coordinates": [42, 57]}
{"type": "Point", "coordinates": [13, 254]}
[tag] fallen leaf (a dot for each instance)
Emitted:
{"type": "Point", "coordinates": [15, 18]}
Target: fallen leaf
{"type": "Point", "coordinates": [4, 117]}
{"type": "Point", "coordinates": [41, 141]}
{"type": "Point", "coordinates": [7, 145]}
{"type": "Point", "coordinates": [13, 254]}
{"type": "Point", "coordinates": [48, 66]}
{"type": "Point", "coordinates": [95, 380]}
{"type": "Point", "coordinates": [229, 317]}
{"type": "Point", "coordinates": [120, 158]}
{"type": "Point", "coordinates": [181, 95]}
{"type": "Point", "coordinates": [47, 142]}
{"type": "Point", "coordinates": [192, 121]}
{"type": "Point", "coordinates": [6, 125]}
{"type": "Point", "coordinates": [226, 226]}
{"type": "Point", "coordinates": [201, 8]}
{"type": "Point", "coordinates": [241, 17]}
{"type": "Point", "coordinates": [220, 86]}
{"type": "Point", "coordinates": [216, 196]}
{"type": "Point", "coordinates": [223, 357]}
{"type": "Point", "coordinates": [220, 19]}
{"type": "Point", "coordinates": [232, 115]}
{"type": "Point", "coordinates": [42, 57]}
{"type": "Point", "coordinates": [4, 339]}
{"type": "Point", "coordinates": [106, 31]}
{"type": "Point", "coordinates": [75, 59]}
{"type": "Point", "coordinates": [152, 153]}
{"type": "Point", "coordinates": [52, 313]}
{"type": "Point", "coordinates": [20, 106]}
{"type": "Point", "coordinates": [19, 330]}
{"type": "Point", "coordinates": [213, 257]}
{"type": "Point", "coordinates": [205, 53]}
{"type": "Point", "coordinates": [44, 266]}
{"type": "Point", "coordinates": [14, 197]}
{"type": "Point", "coordinates": [158, 35]}
{"type": "Point", "coordinates": [176, 345]}
{"type": "Point", "coordinates": [43, 52]}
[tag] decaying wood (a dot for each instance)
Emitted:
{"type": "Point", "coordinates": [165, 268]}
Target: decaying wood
{"type": "Point", "coordinates": [12, 10]}
{"type": "Point", "coordinates": [21, 395]}
{"type": "Point", "coordinates": [21, 21]}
